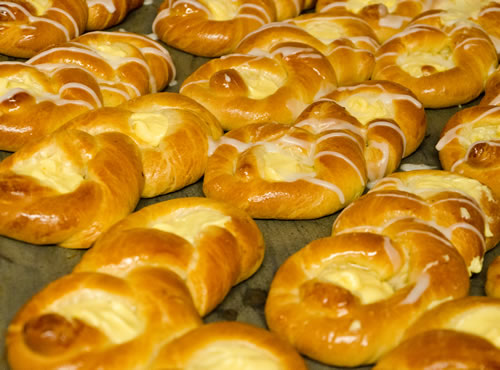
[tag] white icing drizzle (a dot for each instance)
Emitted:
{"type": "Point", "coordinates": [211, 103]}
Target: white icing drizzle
{"type": "Point", "coordinates": [107, 4]}
{"type": "Point", "coordinates": [377, 170]}
{"type": "Point", "coordinates": [394, 127]}
{"type": "Point", "coordinates": [418, 290]}
{"type": "Point", "coordinates": [346, 159]}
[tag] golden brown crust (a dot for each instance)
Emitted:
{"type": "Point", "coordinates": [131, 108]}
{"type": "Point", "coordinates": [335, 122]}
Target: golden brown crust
{"type": "Point", "coordinates": [451, 54]}
{"type": "Point", "coordinates": [26, 30]}
{"type": "Point", "coordinates": [492, 90]}
{"type": "Point", "coordinates": [195, 27]}
{"type": "Point", "coordinates": [103, 15]}
{"type": "Point", "coordinates": [38, 212]}
{"type": "Point", "coordinates": [274, 86]}
{"type": "Point", "coordinates": [492, 285]}
{"type": "Point", "coordinates": [42, 336]}
{"type": "Point", "coordinates": [216, 259]}
{"type": "Point", "coordinates": [180, 352]}
{"type": "Point", "coordinates": [311, 303]}
{"type": "Point", "coordinates": [442, 349]}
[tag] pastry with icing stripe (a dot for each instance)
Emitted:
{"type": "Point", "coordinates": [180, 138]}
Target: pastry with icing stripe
{"type": "Point", "coordinates": [107, 13]}
{"type": "Point", "coordinates": [442, 67]}
{"type": "Point", "coordinates": [492, 285]}
{"type": "Point", "coordinates": [469, 144]}
{"type": "Point", "coordinates": [29, 26]}
{"type": "Point", "coordinates": [275, 85]}
{"type": "Point", "coordinates": [492, 89]}
{"type": "Point", "coordinates": [345, 39]}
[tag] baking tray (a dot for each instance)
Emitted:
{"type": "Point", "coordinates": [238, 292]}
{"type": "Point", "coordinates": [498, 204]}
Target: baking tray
{"type": "Point", "coordinates": [25, 269]}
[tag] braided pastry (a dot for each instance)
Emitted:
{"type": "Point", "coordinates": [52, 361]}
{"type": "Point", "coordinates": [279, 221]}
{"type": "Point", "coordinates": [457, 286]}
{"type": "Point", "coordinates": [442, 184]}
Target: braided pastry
{"type": "Point", "coordinates": [492, 286]}
{"type": "Point", "coordinates": [345, 39]}
{"type": "Point", "coordinates": [386, 17]}
{"type": "Point", "coordinates": [347, 299]}
{"type": "Point", "coordinates": [442, 67]}
{"type": "Point", "coordinates": [144, 283]}
{"type": "Point", "coordinates": [27, 27]}
{"type": "Point", "coordinates": [393, 121]}
{"type": "Point", "coordinates": [469, 144]}
{"type": "Point", "coordinates": [286, 9]}
{"type": "Point", "coordinates": [106, 13]}
{"type": "Point", "coordinates": [275, 85]}
{"type": "Point", "coordinates": [308, 170]}
{"type": "Point", "coordinates": [210, 28]}
{"type": "Point", "coordinates": [229, 346]}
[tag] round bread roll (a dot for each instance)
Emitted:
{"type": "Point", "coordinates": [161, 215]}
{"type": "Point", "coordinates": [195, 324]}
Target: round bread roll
{"type": "Point", "coordinates": [393, 120]}
{"type": "Point", "coordinates": [274, 86]}
{"type": "Point", "coordinates": [442, 349]}
{"type": "Point", "coordinates": [492, 89]}
{"type": "Point", "coordinates": [286, 9]}
{"type": "Point", "coordinates": [227, 346]}
{"type": "Point", "coordinates": [345, 39]}
{"type": "Point", "coordinates": [91, 320]}
{"type": "Point", "coordinates": [469, 144]}
{"type": "Point", "coordinates": [106, 13]}
{"type": "Point", "coordinates": [347, 299]}
{"type": "Point", "coordinates": [385, 17]}
{"type": "Point", "coordinates": [492, 286]}
{"type": "Point", "coordinates": [28, 27]}
{"type": "Point", "coordinates": [441, 66]}
{"type": "Point", "coordinates": [210, 28]}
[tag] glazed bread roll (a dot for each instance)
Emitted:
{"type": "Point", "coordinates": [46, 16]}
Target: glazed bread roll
{"type": "Point", "coordinates": [106, 13]}
{"type": "Point", "coordinates": [34, 103]}
{"type": "Point", "coordinates": [347, 299]}
{"type": "Point", "coordinates": [92, 320]}
{"type": "Point", "coordinates": [393, 121]}
{"type": "Point", "coordinates": [470, 144]}
{"type": "Point", "coordinates": [291, 8]}
{"type": "Point", "coordinates": [266, 86]}
{"type": "Point", "coordinates": [229, 345]}
{"type": "Point", "coordinates": [171, 131]}
{"type": "Point", "coordinates": [345, 39]}
{"type": "Point", "coordinates": [441, 66]}
{"type": "Point", "coordinates": [442, 349]}
{"type": "Point", "coordinates": [66, 189]}
{"type": "Point", "coordinates": [492, 286]}
{"type": "Point", "coordinates": [492, 90]}
{"type": "Point", "coordinates": [210, 28]}
{"type": "Point", "coordinates": [450, 203]}
{"type": "Point", "coordinates": [386, 17]}
{"type": "Point", "coordinates": [27, 26]}
{"type": "Point", "coordinates": [309, 170]}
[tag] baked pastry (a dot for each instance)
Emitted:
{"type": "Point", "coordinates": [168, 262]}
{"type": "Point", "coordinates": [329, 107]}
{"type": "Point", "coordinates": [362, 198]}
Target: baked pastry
{"type": "Point", "coordinates": [491, 90]}
{"type": "Point", "coordinates": [453, 204]}
{"type": "Point", "coordinates": [66, 188]}
{"type": "Point", "coordinates": [96, 69]}
{"type": "Point", "coordinates": [345, 39]}
{"type": "Point", "coordinates": [210, 28]}
{"type": "Point", "coordinates": [469, 143]}
{"type": "Point", "coordinates": [492, 286]}
{"type": "Point", "coordinates": [386, 17]}
{"type": "Point", "coordinates": [28, 27]}
{"type": "Point", "coordinates": [305, 171]}
{"type": "Point", "coordinates": [229, 345]}
{"type": "Point", "coordinates": [171, 131]}
{"type": "Point", "coordinates": [442, 349]}
{"type": "Point", "coordinates": [441, 66]}
{"type": "Point", "coordinates": [347, 299]}
{"type": "Point", "coordinates": [286, 9]}
{"type": "Point", "coordinates": [34, 102]}
{"type": "Point", "coordinates": [393, 121]}
{"type": "Point", "coordinates": [266, 86]}
{"type": "Point", "coordinates": [106, 13]}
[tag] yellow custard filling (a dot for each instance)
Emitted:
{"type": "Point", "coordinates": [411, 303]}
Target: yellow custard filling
{"type": "Point", "coordinates": [22, 81]}
{"type": "Point", "coordinates": [367, 107]}
{"type": "Point", "coordinates": [419, 64]}
{"type": "Point", "coordinates": [41, 6]}
{"type": "Point", "coordinates": [483, 321]}
{"type": "Point", "coordinates": [323, 30]}
{"type": "Point", "coordinates": [284, 164]}
{"type": "Point", "coordinates": [356, 5]}
{"type": "Point", "coordinates": [221, 10]}
{"type": "Point", "coordinates": [259, 82]}
{"type": "Point", "coordinates": [471, 134]}
{"type": "Point", "coordinates": [150, 127]}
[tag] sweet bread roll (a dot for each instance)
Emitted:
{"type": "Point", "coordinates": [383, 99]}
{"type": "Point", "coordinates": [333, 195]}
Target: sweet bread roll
{"type": "Point", "coordinates": [210, 28]}
{"type": "Point", "coordinates": [286, 9]}
{"type": "Point", "coordinates": [393, 121]}
{"type": "Point", "coordinates": [272, 170]}
{"type": "Point", "coordinates": [347, 299]}
{"type": "Point", "coordinates": [275, 86]}
{"type": "Point", "coordinates": [27, 26]}
{"type": "Point", "coordinates": [227, 346]}
{"type": "Point", "coordinates": [492, 90]}
{"type": "Point", "coordinates": [470, 145]}
{"type": "Point", "coordinates": [386, 17]}
{"type": "Point", "coordinates": [171, 131]}
{"type": "Point", "coordinates": [442, 349]}
{"type": "Point", "coordinates": [106, 13]}
{"type": "Point", "coordinates": [442, 67]}
{"type": "Point", "coordinates": [209, 244]}
{"type": "Point", "coordinates": [91, 320]}
{"type": "Point", "coordinates": [441, 200]}
{"type": "Point", "coordinates": [345, 39]}
{"type": "Point", "coordinates": [34, 103]}
{"type": "Point", "coordinates": [492, 286]}
{"type": "Point", "coordinates": [66, 189]}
